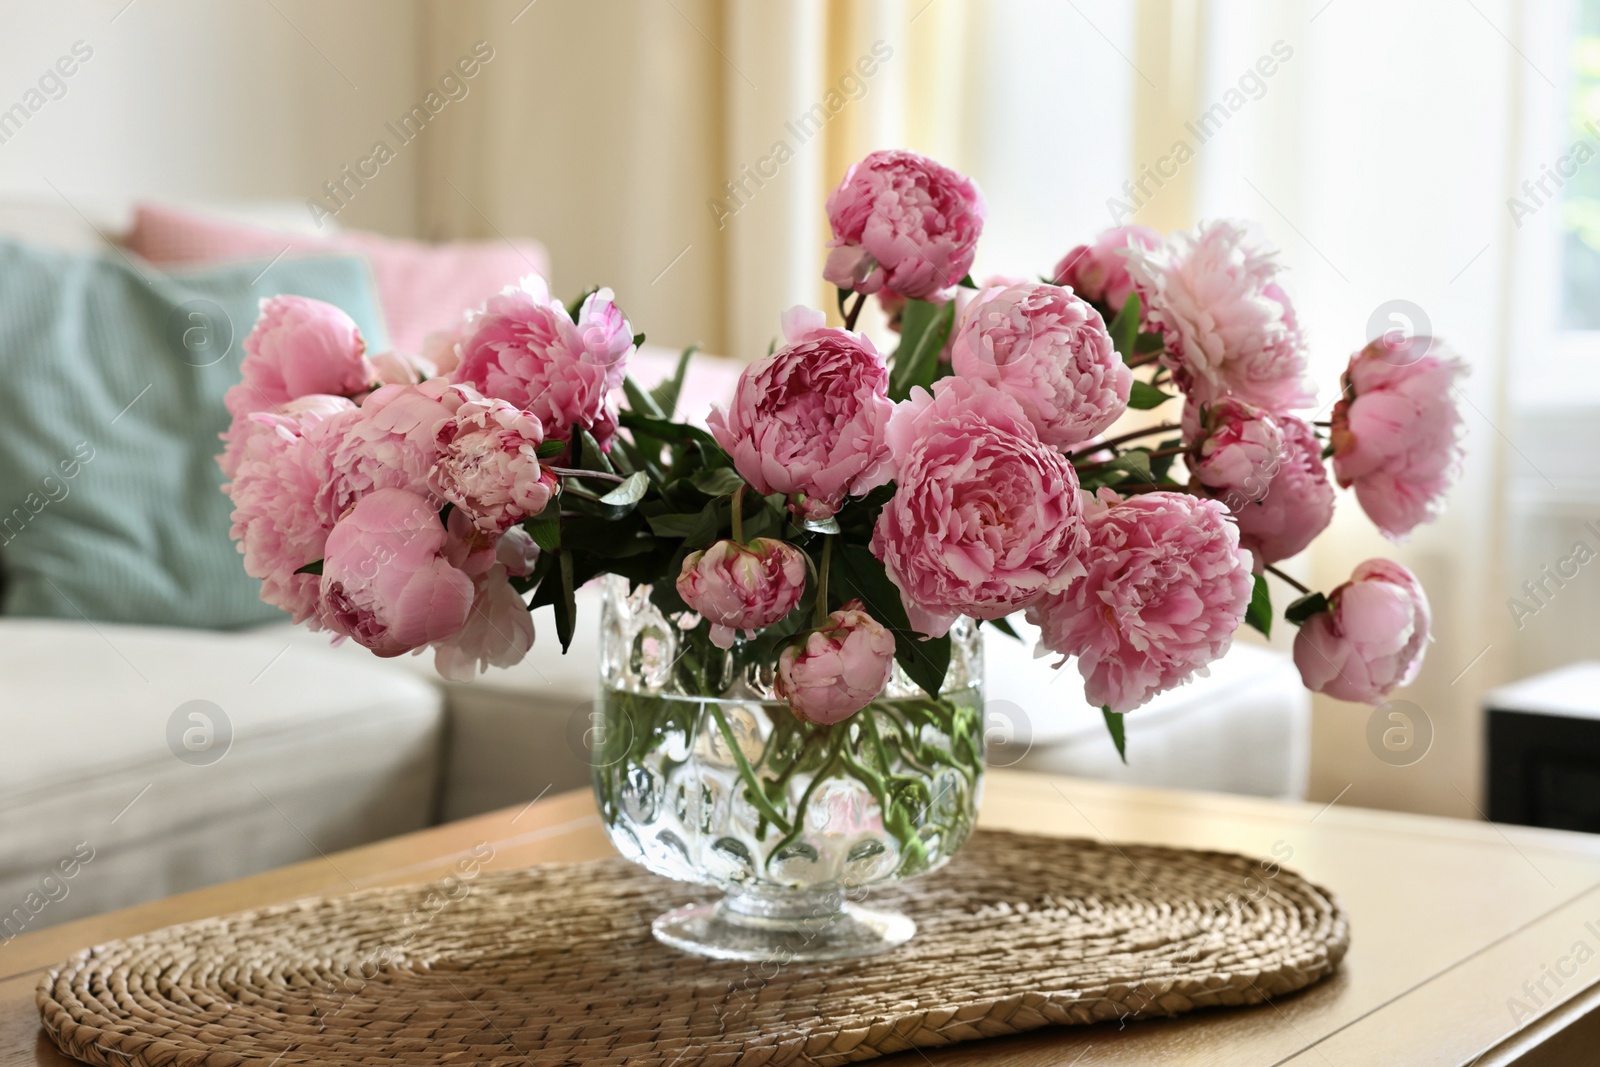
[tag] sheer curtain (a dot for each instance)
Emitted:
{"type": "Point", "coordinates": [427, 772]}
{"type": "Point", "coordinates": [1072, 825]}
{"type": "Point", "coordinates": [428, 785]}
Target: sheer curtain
{"type": "Point", "coordinates": [693, 177]}
{"type": "Point", "coordinates": [1378, 157]}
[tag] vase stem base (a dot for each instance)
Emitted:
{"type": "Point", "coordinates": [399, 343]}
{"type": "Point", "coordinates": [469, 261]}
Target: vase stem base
{"type": "Point", "coordinates": [742, 927]}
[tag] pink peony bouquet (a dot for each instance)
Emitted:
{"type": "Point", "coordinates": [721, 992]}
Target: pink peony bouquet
{"type": "Point", "coordinates": [845, 507]}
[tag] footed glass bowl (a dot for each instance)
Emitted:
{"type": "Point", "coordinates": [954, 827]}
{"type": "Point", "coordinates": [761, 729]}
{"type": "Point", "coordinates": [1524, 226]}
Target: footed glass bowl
{"type": "Point", "coordinates": [794, 822]}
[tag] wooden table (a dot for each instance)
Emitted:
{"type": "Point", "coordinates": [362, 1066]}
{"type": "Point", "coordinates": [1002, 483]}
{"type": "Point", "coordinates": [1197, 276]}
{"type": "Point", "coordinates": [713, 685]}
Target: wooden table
{"type": "Point", "coordinates": [1465, 935]}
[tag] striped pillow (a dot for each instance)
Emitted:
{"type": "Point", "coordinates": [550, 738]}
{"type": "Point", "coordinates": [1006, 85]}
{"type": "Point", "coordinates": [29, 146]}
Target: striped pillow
{"type": "Point", "coordinates": [111, 383]}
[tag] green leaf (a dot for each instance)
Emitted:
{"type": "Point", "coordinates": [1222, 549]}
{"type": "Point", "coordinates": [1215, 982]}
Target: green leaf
{"type": "Point", "coordinates": [1124, 329]}
{"type": "Point", "coordinates": [677, 524]}
{"type": "Point", "coordinates": [545, 527]}
{"type": "Point", "coordinates": [1005, 627]}
{"type": "Point", "coordinates": [1307, 606]}
{"type": "Point", "coordinates": [1147, 343]}
{"type": "Point", "coordinates": [589, 455]}
{"type": "Point", "coordinates": [925, 660]}
{"type": "Point", "coordinates": [666, 394]}
{"type": "Point", "coordinates": [1135, 463]}
{"type": "Point", "coordinates": [550, 449]}
{"type": "Point", "coordinates": [1160, 466]}
{"type": "Point", "coordinates": [679, 432]}
{"type": "Point", "coordinates": [639, 400]}
{"type": "Point", "coordinates": [1327, 450]}
{"type": "Point", "coordinates": [628, 494]}
{"type": "Point", "coordinates": [314, 567]}
{"type": "Point", "coordinates": [638, 339]}
{"type": "Point", "coordinates": [566, 607]}
{"type": "Point", "coordinates": [967, 282]}
{"type": "Point", "coordinates": [1259, 613]}
{"type": "Point", "coordinates": [608, 539]}
{"type": "Point", "coordinates": [1144, 396]}
{"type": "Point", "coordinates": [924, 327]}
{"type": "Point", "coordinates": [719, 482]}
{"type": "Point", "coordinates": [1115, 724]}
{"type": "Point", "coordinates": [577, 305]}
{"type": "Point", "coordinates": [822, 526]}
{"type": "Point", "coordinates": [697, 530]}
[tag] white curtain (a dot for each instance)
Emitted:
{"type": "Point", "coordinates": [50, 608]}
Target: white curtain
{"type": "Point", "coordinates": [697, 141]}
{"type": "Point", "coordinates": [1378, 156]}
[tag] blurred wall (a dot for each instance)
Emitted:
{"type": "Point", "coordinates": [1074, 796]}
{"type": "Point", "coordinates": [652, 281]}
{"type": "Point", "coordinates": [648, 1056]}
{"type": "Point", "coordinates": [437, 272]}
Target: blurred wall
{"type": "Point", "coordinates": [189, 100]}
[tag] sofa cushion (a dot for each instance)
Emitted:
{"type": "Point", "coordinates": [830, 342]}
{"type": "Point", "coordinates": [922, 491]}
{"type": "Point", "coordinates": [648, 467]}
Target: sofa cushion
{"type": "Point", "coordinates": [423, 287]}
{"type": "Point", "coordinates": [110, 506]}
{"type": "Point", "coordinates": [1243, 727]}
{"type": "Point", "coordinates": [177, 759]}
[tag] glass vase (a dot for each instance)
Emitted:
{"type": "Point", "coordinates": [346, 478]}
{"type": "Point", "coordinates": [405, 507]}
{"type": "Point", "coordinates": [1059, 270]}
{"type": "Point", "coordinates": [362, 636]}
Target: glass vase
{"type": "Point", "coordinates": [703, 775]}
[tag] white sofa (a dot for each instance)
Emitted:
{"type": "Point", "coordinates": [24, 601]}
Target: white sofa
{"type": "Point", "coordinates": [332, 747]}
{"type": "Point", "coordinates": [318, 748]}
{"type": "Point", "coordinates": [178, 758]}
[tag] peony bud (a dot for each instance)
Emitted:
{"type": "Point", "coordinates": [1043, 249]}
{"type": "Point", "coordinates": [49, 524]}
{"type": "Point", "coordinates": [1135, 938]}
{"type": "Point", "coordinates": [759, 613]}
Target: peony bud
{"type": "Point", "coordinates": [1396, 432]}
{"type": "Point", "coordinates": [839, 668]}
{"type": "Point", "coordinates": [488, 464]}
{"type": "Point", "coordinates": [1370, 640]}
{"type": "Point", "coordinates": [385, 581]}
{"type": "Point", "coordinates": [903, 221]}
{"type": "Point", "coordinates": [743, 587]}
{"type": "Point", "coordinates": [298, 347]}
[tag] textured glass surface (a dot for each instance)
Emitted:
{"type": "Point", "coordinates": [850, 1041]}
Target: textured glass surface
{"type": "Point", "coordinates": [735, 791]}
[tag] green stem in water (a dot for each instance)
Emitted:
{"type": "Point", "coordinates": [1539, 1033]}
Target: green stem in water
{"type": "Point", "coordinates": [793, 833]}
{"type": "Point", "coordinates": [820, 615]}
{"type": "Point", "coordinates": [738, 515]}
{"type": "Point", "coordinates": [757, 796]}
{"type": "Point", "coordinates": [870, 724]}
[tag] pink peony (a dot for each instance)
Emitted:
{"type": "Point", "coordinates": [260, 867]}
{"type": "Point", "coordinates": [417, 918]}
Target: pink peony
{"type": "Point", "coordinates": [498, 631]}
{"type": "Point", "coordinates": [809, 420]}
{"type": "Point", "coordinates": [1298, 504]}
{"type": "Point", "coordinates": [402, 368]}
{"type": "Point", "coordinates": [441, 349]}
{"type": "Point", "coordinates": [903, 221]}
{"type": "Point", "coordinates": [1166, 587]}
{"type": "Point", "coordinates": [985, 517]}
{"type": "Point", "coordinates": [1371, 638]}
{"type": "Point", "coordinates": [838, 668]}
{"type": "Point", "coordinates": [299, 346]}
{"type": "Point", "coordinates": [1049, 351]}
{"type": "Point", "coordinates": [524, 348]}
{"type": "Point", "coordinates": [385, 581]}
{"type": "Point", "coordinates": [743, 587]}
{"type": "Point", "coordinates": [1228, 326]}
{"type": "Point", "coordinates": [1396, 431]}
{"type": "Point", "coordinates": [284, 502]}
{"type": "Point", "coordinates": [1098, 272]}
{"type": "Point", "coordinates": [390, 442]}
{"type": "Point", "coordinates": [516, 552]}
{"type": "Point", "coordinates": [1235, 448]}
{"type": "Point", "coordinates": [288, 421]}
{"type": "Point", "coordinates": [488, 464]}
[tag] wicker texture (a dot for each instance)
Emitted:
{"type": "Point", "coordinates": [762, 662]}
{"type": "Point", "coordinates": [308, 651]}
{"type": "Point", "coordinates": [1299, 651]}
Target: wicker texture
{"type": "Point", "coordinates": [556, 965]}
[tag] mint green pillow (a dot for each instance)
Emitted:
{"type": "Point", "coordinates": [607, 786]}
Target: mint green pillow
{"type": "Point", "coordinates": [111, 381]}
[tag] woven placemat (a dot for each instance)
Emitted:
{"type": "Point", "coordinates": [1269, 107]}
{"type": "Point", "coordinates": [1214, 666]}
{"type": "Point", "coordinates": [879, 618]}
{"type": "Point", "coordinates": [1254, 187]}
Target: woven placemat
{"type": "Point", "coordinates": [556, 965]}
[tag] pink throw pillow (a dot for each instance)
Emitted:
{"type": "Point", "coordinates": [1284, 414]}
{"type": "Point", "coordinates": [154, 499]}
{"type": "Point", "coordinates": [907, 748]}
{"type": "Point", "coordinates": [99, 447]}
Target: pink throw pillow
{"type": "Point", "coordinates": [422, 287]}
